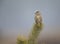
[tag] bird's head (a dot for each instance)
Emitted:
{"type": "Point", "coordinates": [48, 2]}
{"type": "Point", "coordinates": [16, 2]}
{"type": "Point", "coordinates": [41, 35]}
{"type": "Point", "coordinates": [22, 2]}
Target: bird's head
{"type": "Point", "coordinates": [37, 12]}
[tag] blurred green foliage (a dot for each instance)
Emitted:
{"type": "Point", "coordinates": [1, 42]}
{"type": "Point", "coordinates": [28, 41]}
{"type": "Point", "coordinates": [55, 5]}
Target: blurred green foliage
{"type": "Point", "coordinates": [33, 35]}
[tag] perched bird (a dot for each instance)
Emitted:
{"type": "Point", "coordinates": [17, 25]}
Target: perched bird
{"type": "Point", "coordinates": [38, 17]}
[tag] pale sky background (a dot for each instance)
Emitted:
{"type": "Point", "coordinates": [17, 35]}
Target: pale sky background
{"type": "Point", "coordinates": [17, 16]}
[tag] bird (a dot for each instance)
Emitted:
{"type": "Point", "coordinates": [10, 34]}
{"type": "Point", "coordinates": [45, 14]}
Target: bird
{"type": "Point", "coordinates": [38, 17]}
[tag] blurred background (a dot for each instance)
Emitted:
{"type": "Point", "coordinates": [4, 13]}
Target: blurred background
{"type": "Point", "coordinates": [17, 18]}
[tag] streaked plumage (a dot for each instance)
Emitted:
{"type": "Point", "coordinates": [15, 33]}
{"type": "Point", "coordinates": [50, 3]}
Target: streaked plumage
{"type": "Point", "coordinates": [38, 17]}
